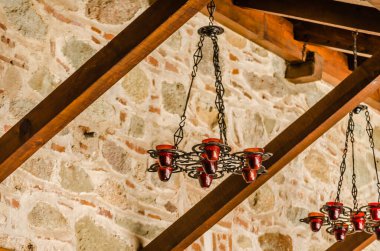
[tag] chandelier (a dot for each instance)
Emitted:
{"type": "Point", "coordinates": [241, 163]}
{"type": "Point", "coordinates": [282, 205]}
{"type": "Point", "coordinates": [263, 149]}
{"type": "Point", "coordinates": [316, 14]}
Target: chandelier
{"type": "Point", "coordinates": [212, 158]}
{"type": "Point", "coordinates": [340, 219]}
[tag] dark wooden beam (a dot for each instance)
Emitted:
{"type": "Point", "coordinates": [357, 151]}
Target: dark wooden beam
{"type": "Point", "coordinates": [285, 147]}
{"type": "Point", "coordinates": [275, 34]}
{"type": "Point", "coordinates": [327, 12]}
{"type": "Point", "coordinates": [90, 81]}
{"type": "Point", "coordinates": [353, 242]}
{"type": "Point", "coordinates": [305, 71]}
{"type": "Point", "coordinates": [335, 38]}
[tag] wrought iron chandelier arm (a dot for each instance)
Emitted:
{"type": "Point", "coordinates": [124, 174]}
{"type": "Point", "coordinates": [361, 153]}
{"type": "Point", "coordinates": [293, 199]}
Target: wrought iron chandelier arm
{"type": "Point", "coordinates": [197, 58]}
{"type": "Point", "coordinates": [369, 130]}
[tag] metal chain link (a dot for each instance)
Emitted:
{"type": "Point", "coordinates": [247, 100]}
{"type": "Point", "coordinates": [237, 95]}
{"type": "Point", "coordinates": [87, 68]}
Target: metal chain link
{"type": "Point", "coordinates": [354, 190]}
{"type": "Point", "coordinates": [197, 58]}
{"type": "Point", "coordinates": [355, 50]}
{"type": "Point", "coordinates": [211, 7]}
{"type": "Point", "coordinates": [369, 130]}
{"type": "Point", "coordinates": [350, 128]}
{"type": "Point", "coordinates": [219, 103]}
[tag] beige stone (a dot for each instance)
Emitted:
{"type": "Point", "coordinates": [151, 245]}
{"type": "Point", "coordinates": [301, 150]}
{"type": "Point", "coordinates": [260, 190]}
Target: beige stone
{"type": "Point", "coordinates": [174, 41]}
{"type": "Point", "coordinates": [90, 236]}
{"type": "Point", "coordinates": [145, 230]}
{"type": "Point", "coordinates": [12, 81]}
{"type": "Point", "coordinates": [275, 242]}
{"type": "Point", "coordinates": [115, 193]}
{"type": "Point", "coordinates": [263, 200]}
{"type": "Point", "coordinates": [136, 85]}
{"type": "Point", "coordinates": [19, 108]}
{"type": "Point", "coordinates": [173, 96]}
{"type": "Point", "coordinates": [294, 214]}
{"type": "Point", "coordinates": [244, 242]}
{"type": "Point", "coordinates": [24, 18]}
{"type": "Point", "coordinates": [75, 179]}
{"type": "Point", "coordinates": [46, 216]}
{"type": "Point", "coordinates": [42, 81]}
{"type": "Point", "coordinates": [112, 11]}
{"type": "Point", "coordinates": [116, 156]}
{"type": "Point", "coordinates": [39, 167]}
{"type": "Point", "coordinates": [136, 127]}
{"type": "Point", "coordinates": [71, 5]}
{"type": "Point", "coordinates": [77, 52]}
{"type": "Point", "coordinates": [317, 165]}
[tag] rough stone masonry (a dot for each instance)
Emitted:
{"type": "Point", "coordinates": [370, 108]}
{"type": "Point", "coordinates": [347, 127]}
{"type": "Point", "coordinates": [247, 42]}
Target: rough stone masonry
{"type": "Point", "coordinates": [87, 189]}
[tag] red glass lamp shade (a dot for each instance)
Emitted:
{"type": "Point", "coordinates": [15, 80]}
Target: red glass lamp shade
{"type": "Point", "coordinates": [334, 209]}
{"type": "Point", "coordinates": [254, 157]}
{"type": "Point", "coordinates": [249, 174]}
{"type": "Point", "coordinates": [209, 166]}
{"type": "Point", "coordinates": [340, 231]}
{"type": "Point", "coordinates": [205, 179]}
{"type": "Point", "coordinates": [212, 151]}
{"type": "Point", "coordinates": [165, 157]}
{"type": "Point", "coordinates": [315, 221]}
{"type": "Point", "coordinates": [358, 221]}
{"type": "Point", "coordinates": [164, 172]}
{"type": "Point", "coordinates": [374, 209]}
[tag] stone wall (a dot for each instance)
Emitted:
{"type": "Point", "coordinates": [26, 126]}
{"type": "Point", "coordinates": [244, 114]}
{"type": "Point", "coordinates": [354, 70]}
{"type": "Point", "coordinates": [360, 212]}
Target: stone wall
{"type": "Point", "coordinates": [87, 189]}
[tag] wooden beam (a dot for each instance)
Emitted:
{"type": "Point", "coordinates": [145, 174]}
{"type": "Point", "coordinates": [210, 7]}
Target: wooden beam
{"type": "Point", "coordinates": [95, 77]}
{"type": "Point", "coordinates": [354, 242]}
{"type": "Point", "coordinates": [375, 3]}
{"type": "Point", "coordinates": [275, 34]}
{"type": "Point", "coordinates": [305, 71]}
{"type": "Point", "coordinates": [335, 38]}
{"type": "Point", "coordinates": [327, 12]}
{"type": "Point", "coordinates": [285, 147]}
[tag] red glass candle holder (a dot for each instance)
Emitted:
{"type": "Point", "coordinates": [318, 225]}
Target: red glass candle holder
{"type": "Point", "coordinates": [212, 151]}
{"type": "Point", "coordinates": [376, 230]}
{"type": "Point", "coordinates": [254, 157]}
{"type": "Point", "coordinates": [374, 209]}
{"type": "Point", "coordinates": [334, 209]}
{"type": "Point", "coordinates": [165, 157]}
{"type": "Point", "coordinates": [205, 179]}
{"type": "Point", "coordinates": [164, 172]}
{"type": "Point", "coordinates": [209, 166]}
{"type": "Point", "coordinates": [358, 221]}
{"type": "Point", "coordinates": [249, 174]}
{"type": "Point", "coordinates": [340, 231]}
{"type": "Point", "coordinates": [315, 221]}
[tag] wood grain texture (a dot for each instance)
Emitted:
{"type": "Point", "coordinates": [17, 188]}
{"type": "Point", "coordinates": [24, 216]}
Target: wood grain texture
{"type": "Point", "coordinates": [285, 147]}
{"type": "Point", "coordinates": [275, 34]}
{"type": "Point", "coordinates": [91, 80]}
{"type": "Point", "coordinates": [327, 12]}
{"type": "Point", "coordinates": [335, 38]}
{"type": "Point", "coordinates": [354, 242]}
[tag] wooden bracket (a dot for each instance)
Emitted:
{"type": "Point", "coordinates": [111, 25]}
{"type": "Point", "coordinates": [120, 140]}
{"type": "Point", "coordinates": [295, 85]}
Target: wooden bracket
{"type": "Point", "coordinates": [310, 70]}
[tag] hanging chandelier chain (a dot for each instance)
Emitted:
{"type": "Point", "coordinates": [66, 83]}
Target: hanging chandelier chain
{"type": "Point", "coordinates": [354, 190]}
{"type": "Point", "coordinates": [219, 103]}
{"type": "Point", "coordinates": [350, 127]}
{"type": "Point", "coordinates": [369, 130]}
{"type": "Point", "coordinates": [211, 7]}
{"type": "Point", "coordinates": [355, 50]}
{"type": "Point", "coordinates": [197, 58]}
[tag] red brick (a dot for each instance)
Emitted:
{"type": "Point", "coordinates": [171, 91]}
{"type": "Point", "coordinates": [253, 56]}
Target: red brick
{"type": "Point", "coordinates": [58, 148]}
